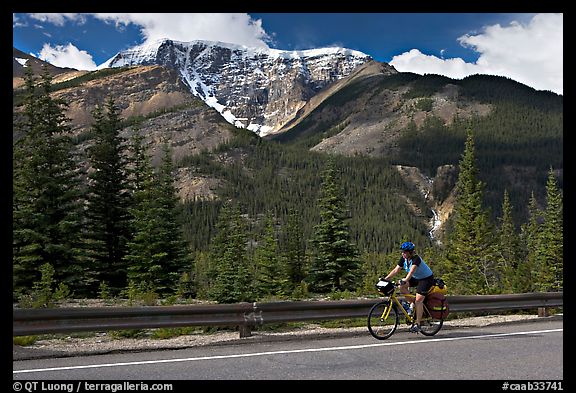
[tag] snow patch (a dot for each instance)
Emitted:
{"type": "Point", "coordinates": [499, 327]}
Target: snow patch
{"type": "Point", "coordinates": [261, 130]}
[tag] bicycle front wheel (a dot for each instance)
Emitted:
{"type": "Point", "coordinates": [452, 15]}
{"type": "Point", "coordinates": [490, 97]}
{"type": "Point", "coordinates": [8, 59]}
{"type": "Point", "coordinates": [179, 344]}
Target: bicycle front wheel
{"type": "Point", "coordinates": [382, 320]}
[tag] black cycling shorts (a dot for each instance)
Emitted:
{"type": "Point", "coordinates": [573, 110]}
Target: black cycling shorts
{"type": "Point", "coordinates": [423, 285]}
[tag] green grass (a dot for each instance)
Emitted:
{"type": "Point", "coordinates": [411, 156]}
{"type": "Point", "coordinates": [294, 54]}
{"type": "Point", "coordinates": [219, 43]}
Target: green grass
{"type": "Point", "coordinates": [24, 341]}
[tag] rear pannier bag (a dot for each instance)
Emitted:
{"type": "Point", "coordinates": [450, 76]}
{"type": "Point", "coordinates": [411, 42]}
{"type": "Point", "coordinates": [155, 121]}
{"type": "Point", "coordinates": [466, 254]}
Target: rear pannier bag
{"type": "Point", "coordinates": [437, 305]}
{"type": "Point", "coordinates": [439, 286]}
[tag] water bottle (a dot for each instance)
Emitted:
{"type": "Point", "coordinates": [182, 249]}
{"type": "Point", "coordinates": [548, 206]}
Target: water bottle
{"type": "Point", "coordinates": [406, 306]}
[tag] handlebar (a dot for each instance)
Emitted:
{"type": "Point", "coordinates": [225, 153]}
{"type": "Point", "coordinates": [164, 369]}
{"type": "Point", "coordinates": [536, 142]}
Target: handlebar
{"type": "Point", "coordinates": [399, 282]}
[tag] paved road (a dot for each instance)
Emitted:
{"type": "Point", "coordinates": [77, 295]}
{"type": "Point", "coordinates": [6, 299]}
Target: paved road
{"type": "Point", "coordinates": [517, 351]}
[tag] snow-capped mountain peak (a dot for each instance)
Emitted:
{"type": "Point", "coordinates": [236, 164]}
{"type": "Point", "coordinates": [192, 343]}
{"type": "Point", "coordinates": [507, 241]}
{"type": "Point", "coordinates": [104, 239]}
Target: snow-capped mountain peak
{"type": "Point", "coordinates": [256, 88]}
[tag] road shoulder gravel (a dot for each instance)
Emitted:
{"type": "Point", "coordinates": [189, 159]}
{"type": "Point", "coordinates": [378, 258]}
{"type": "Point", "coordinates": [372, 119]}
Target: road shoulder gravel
{"type": "Point", "coordinates": [103, 343]}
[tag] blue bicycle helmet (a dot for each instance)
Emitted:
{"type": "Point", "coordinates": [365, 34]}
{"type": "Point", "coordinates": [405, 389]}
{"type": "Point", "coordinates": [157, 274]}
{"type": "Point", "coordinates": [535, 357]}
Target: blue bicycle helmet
{"type": "Point", "coordinates": [407, 246]}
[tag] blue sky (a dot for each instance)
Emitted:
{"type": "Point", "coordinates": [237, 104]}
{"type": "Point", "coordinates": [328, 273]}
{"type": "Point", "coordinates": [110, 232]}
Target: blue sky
{"type": "Point", "coordinates": [525, 47]}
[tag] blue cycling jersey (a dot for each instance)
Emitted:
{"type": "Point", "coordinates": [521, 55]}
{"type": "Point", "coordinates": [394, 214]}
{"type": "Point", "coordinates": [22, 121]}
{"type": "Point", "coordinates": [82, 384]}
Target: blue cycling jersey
{"type": "Point", "coordinates": [421, 272]}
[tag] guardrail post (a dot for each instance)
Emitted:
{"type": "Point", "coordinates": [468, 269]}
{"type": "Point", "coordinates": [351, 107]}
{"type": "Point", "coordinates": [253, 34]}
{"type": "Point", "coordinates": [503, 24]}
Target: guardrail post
{"type": "Point", "coordinates": [543, 312]}
{"type": "Point", "coordinates": [251, 319]}
{"type": "Point", "coordinates": [245, 331]}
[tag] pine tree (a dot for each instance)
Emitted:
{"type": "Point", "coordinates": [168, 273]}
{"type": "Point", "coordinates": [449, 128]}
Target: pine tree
{"type": "Point", "coordinates": [223, 273]}
{"type": "Point", "coordinates": [550, 249]}
{"type": "Point", "coordinates": [202, 274]}
{"type": "Point", "coordinates": [143, 269]}
{"type": "Point", "coordinates": [508, 247]}
{"type": "Point", "coordinates": [157, 255]}
{"type": "Point", "coordinates": [335, 266]}
{"type": "Point", "coordinates": [172, 234]}
{"type": "Point", "coordinates": [294, 253]}
{"type": "Point", "coordinates": [231, 281]}
{"type": "Point", "coordinates": [471, 246]}
{"type": "Point", "coordinates": [109, 199]}
{"type": "Point", "coordinates": [266, 263]}
{"type": "Point", "coordinates": [47, 214]}
{"type": "Point", "coordinates": [140, 170]}
{"type": "Point", "coordinates": [525, 272]}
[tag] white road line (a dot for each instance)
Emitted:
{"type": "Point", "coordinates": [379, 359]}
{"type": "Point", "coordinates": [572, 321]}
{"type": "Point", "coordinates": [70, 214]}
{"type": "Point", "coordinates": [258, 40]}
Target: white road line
{"type": "Point", "coordinates": [245, 355]}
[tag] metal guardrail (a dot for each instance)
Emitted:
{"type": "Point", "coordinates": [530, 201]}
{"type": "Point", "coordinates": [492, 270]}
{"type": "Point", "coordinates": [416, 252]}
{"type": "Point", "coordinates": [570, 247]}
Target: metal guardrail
{"type": "Point", "coordinates": [244, 315]}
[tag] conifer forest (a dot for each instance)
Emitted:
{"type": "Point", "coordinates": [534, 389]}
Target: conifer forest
{"type": "Point", "coordinates": [288, 223]}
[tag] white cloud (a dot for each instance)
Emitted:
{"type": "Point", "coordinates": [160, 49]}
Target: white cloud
{"type": "Point", "coordinates": [57, 19]}
{"type": "Point", "coordinates": [419, 63]}
{"type": "Point", "coordinates": [16, 22]}
{"type": "Point", "coordinates": [531, 54]}
{"type": "Point", "coordinates": [67, 56]}
{"type": "Point", "coordinates": [234, 28]}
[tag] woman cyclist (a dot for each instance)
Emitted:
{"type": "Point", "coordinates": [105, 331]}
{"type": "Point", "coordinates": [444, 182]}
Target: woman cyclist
{"type": "Point", "coordinates": [419, 275]}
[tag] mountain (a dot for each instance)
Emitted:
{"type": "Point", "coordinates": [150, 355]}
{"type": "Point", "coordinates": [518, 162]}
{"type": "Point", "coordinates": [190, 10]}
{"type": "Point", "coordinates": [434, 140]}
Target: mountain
{"type": "Point", "coordinates": [154, 102]}
{"type": "Point", "coordinates": [21, 59]}
{"type": "Point", "coordinates": [260, 89]}
{"type": "Point", "coordinates": [420, 123]}
{"type": "Point", "coordinates": [385, 124]}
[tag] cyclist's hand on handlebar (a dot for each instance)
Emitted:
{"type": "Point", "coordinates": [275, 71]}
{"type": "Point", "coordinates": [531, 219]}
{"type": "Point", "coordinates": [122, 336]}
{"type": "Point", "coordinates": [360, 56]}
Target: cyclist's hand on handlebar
{"type": "Point", "coordinates": [401, 282]}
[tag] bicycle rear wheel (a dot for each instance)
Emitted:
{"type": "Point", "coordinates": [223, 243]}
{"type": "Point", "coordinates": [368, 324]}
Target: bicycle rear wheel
{"type": "Point", "coordinates": [430, 326]}
{"type": "Point", "coordinates": [382, 320]}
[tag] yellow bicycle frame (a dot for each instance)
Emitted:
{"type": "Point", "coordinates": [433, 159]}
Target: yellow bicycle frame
{"type": "Point", "coordinates": [394, 299]}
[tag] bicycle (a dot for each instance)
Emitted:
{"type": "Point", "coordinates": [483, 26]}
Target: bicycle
{"type": "Point", "coordinates": [383, 318]}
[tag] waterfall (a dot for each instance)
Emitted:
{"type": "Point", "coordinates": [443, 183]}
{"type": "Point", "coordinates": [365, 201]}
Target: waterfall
{"type": "Point", "coordinates": [435, 224]}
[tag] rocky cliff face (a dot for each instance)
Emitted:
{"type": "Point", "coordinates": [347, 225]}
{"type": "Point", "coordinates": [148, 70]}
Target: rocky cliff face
{"type": "Point", "coordinates": [157, 101]}
{"type": "Point", "coordinates": [374, 120]}
{"type": "Point", "coordinates": [259, 89]}
{"type": "Point", "coordinates": [438, 193]}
